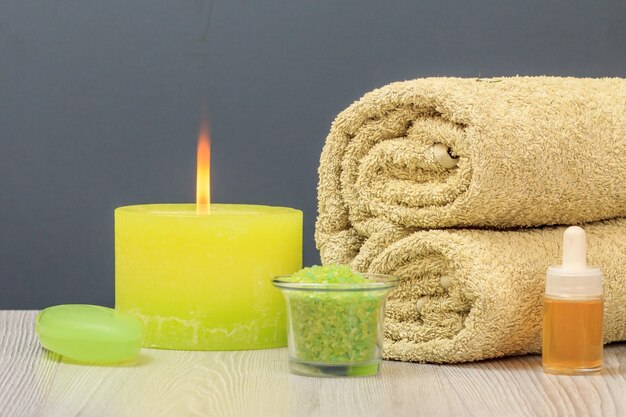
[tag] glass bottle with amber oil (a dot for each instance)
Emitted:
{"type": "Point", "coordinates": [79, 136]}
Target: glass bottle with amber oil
{"type": "Point", "coordinates": [573, 311]}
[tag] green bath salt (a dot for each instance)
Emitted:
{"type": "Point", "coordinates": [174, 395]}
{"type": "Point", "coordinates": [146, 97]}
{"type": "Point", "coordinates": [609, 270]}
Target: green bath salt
{"type": "Point", "coordinates": [336, 322]}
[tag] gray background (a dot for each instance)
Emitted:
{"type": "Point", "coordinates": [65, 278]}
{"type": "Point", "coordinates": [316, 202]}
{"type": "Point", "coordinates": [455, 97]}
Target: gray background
{"type": "Point", "coordinates": [100, 104]}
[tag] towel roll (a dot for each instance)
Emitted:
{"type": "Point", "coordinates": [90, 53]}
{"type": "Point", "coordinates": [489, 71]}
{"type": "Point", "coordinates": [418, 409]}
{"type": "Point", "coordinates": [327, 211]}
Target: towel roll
{"type": "Point", "coordinates": [445, 152]}
{"type": "Point", "coordinates": [472, 294]}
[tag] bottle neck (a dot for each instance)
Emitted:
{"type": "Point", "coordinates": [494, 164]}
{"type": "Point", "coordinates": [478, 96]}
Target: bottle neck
{"type": "Point", "coordinates": [574, 298]}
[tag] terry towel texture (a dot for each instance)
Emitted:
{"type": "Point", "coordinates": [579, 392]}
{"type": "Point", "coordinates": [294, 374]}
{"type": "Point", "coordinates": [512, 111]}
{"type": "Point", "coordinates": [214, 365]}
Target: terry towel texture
{"type": "Point", "coordinates": [471, 294]}
{"type": "Point", "coordinates": [531, 151]}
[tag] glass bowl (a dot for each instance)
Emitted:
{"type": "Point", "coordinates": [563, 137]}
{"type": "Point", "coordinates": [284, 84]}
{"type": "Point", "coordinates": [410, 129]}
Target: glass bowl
{"type": "Point", "coordinates": [335, 329]}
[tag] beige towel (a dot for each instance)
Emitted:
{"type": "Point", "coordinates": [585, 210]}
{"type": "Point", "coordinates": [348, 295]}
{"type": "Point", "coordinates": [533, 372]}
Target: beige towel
{"type": "Point", "coordinates": [531, 151]}
{"type": "Point", "coordinates": [474, 294]}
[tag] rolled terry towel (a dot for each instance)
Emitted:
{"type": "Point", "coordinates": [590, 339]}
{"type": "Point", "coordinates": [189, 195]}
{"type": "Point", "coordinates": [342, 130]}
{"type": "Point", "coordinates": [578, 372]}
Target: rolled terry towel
{"type": "Point", "coordinates": [472, 294]}
{"type": "Point", "coordinates": [442, 152]}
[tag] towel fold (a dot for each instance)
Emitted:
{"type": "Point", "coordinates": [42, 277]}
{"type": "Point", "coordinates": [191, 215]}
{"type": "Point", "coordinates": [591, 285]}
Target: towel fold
{"type": "Point", "coordinates": [472, 294]}
{"type": "Point", "coordinates": [443, 152]}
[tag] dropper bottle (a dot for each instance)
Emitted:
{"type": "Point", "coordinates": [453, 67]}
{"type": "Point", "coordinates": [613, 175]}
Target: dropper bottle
{"type": "Point", "coordinates": [573, 311]}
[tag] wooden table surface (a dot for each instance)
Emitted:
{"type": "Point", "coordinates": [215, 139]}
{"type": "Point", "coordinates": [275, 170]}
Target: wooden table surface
{"type": "Point", "coordinates": [34, 382]}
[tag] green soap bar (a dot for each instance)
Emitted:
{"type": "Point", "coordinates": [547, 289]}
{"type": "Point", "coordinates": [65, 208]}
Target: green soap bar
{"type": "Point", "coordinates": [88, 333]}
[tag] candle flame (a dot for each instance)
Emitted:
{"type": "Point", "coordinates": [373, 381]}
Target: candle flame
{"type": "Point", "coordinates": [203, 180]}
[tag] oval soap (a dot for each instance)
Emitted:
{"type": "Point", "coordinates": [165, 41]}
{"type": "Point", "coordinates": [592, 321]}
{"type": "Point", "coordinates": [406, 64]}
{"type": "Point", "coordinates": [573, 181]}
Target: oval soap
{"type": "Point", "coordinates": [88, 333]}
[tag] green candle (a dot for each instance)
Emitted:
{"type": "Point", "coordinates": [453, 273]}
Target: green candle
{"type": "Point", "coordinates": [203, 280]}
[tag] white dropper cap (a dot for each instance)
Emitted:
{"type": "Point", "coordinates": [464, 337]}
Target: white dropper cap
{"type": "Point", "coordinates": [574, 277]}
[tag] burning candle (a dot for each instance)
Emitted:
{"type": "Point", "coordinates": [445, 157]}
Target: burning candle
{"type": "Point", "coordinates": [199, 276]}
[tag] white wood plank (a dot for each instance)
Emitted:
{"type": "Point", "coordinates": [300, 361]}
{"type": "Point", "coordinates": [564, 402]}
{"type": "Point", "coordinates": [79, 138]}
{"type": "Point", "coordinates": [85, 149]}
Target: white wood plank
{"type": "Point", "coordinates": [528, 391]}
{"type": "Point", "coordinates": [25, 374]}
{"type": "Point", "coordinates": [257, 383]}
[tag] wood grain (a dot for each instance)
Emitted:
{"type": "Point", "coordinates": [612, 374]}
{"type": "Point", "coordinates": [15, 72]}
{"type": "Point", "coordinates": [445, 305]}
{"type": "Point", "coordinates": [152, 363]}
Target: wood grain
{"type": "Point", "coordinates": [34, 382]}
